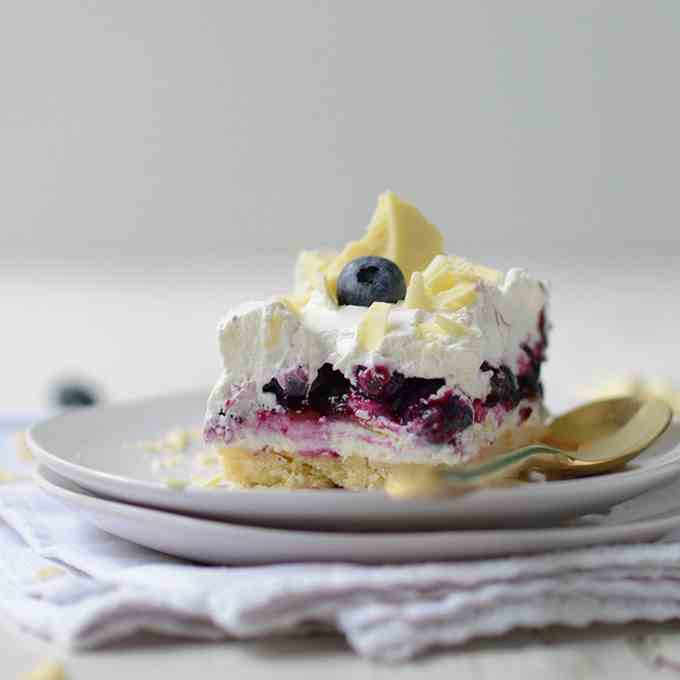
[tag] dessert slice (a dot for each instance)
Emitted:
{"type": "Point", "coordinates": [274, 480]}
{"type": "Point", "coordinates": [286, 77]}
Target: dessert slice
{"type": "Point", "coordinates": [389, 353]}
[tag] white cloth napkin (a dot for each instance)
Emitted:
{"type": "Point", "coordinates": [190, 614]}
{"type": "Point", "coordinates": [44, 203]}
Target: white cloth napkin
{"type": "Point", "coordinates": [67, 581]}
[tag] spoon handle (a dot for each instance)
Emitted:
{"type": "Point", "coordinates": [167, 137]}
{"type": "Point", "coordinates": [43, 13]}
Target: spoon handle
{"type": "Point", "coordinates": [624, 426]}
{"type": "Point", "coordinates": [422, 481]}
{"type": "Point", "coordinates": [506, 463]}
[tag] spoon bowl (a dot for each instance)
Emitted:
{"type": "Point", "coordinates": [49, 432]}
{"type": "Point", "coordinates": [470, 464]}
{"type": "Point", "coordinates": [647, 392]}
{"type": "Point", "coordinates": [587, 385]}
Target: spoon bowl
{"type": "Point", "coordinates": [598, 437]}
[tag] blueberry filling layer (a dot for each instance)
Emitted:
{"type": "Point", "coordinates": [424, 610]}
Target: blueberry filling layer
{"type": "Point", "coordinates": [391, 400]}
{"type": "Point", "coordinates": [415, 403]}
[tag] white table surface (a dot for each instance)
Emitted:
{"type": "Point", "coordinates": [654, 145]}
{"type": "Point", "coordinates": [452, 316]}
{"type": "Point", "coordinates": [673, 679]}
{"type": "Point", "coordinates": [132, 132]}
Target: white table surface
{"type": "Point", "coordinates": [632, 652]}
{"type": "Point", "coordinates": [144, 328]}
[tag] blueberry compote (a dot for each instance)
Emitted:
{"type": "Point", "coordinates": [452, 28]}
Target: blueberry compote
{"type": "Point", "coordinates": [419, 404]}
{"type": "Point", "coordinates": [411, 402]}
{"type": "Point", "coordinates": [529, 377]}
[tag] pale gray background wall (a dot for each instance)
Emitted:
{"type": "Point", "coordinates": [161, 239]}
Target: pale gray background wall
{"type": "Point", "coordinates": [150, 126]}
{"type": "Point", "coordinates": [162, 160]}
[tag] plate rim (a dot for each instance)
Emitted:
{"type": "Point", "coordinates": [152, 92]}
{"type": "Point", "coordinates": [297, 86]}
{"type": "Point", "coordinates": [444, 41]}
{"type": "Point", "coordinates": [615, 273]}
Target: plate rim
{"type": "Point", "coordinates": [57, 463]}
{"type": "Point", "coordinates": [132, 510]}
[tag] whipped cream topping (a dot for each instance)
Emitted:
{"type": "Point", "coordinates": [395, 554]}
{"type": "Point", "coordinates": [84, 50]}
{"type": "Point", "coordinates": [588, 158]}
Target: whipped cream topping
{"type": "Point", "coordinates": [262, 340]}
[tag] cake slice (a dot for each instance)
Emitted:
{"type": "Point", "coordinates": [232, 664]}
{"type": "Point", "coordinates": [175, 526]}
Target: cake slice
{"type": "Point", "coordinates": [389, 353]}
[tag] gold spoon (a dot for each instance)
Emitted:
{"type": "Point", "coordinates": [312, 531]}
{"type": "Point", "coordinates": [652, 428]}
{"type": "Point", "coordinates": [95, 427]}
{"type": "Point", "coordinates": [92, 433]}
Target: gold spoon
{"type": "Point", "coordinates": [598, 437]}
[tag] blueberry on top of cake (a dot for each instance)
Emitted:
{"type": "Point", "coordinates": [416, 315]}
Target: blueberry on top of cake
{"type": "Point", "coordinates": [387, 353]}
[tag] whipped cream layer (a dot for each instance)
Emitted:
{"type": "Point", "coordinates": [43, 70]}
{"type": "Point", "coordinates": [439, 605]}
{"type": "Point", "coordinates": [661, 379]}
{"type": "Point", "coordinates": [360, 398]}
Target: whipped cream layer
{"type": "Point", "coordinates": [262, 340]}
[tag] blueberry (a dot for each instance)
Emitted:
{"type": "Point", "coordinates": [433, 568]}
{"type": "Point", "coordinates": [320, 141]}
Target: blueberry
{"type": "Point", "coordinates": [379, 383]}
{"type": "Point", "coordinates": [370, 279]}
{"type": "Point", "coordinates": [413, 395]}
{"type": "Point", "coordinates": [530, 386]}
{"type": "Point", "coordinates": [328, 393]}
{"type": "Point", "coordinates": [296, 384]}
{"type": "Point", "coordinates": [439, 419]}
{"type": "Point", "coordinates": [73, 395]}
{"type": "Point", "coordinates": [504, 388]}
{"type": "Point", "coordinates": [274, 387]}
{"type": "Point", "coordinates": [292, 393]}
{"type": "Point", "coordinates": [525, 413]}
{"type": "Point", "coordinates": [529, 381]}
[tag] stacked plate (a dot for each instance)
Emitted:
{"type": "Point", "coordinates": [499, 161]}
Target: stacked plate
{"type": "Point", "coordinates": [91, 460]}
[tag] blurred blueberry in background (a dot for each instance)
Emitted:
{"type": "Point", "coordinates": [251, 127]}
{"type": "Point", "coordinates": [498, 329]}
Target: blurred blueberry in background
{"type": "Point", "coordinates": [68, 393]}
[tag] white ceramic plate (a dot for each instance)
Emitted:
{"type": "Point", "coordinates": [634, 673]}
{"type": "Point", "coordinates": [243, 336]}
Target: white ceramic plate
{"type": "Point", "coordinates": [97, 448]}
{"type": "Point", "coordinates": [213, 542]}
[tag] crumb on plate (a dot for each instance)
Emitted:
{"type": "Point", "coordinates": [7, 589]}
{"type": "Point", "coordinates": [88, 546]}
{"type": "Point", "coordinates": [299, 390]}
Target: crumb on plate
{"type": "Point", "coordinates": [21, 447]}
{"type": "Point", "coordinates": [47, 671]}
{"type": "Point", "coordinates": [49, 572]}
